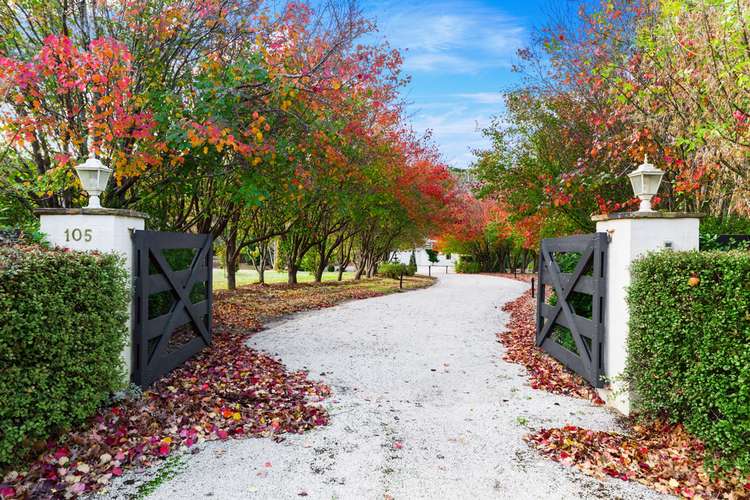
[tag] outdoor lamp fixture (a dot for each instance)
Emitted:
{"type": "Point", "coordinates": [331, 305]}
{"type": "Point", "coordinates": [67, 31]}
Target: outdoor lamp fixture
{"type": "Point", "coordinates": [645, 181]}
{"type": "Point", "coordinates": [94, 176]}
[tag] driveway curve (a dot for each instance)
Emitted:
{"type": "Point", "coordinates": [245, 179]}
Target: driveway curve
{"type": "Point", "coordinates": [423, 406]}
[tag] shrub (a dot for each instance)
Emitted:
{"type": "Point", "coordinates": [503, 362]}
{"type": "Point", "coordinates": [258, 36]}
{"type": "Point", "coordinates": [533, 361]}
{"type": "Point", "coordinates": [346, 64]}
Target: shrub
{"type": "Point", "coordinates": [725, 225]}
{"type": "Point", "coordinates": [710, 241]}
{"type": "Point", "coordinates": [309, 262]}
{"type": "Point", "coordinates": [13, 235]}
{"type": "Point", "coordinates": [412, 267]}
{"type": "Point", "coordinates": [62, 330]}
{"type": "Point", "coordinates": [689, 346]}
{"type": "Point", "coordinates": [725, 233]}
{"type": "Point", "coordinates": [467, 266]}
{"type": "Point", "coordinates": [393, 270]}
{"type": "Point", "coordinates": [432, 255]}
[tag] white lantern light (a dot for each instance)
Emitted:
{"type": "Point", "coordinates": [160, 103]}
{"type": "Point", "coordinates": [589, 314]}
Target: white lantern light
{"type": "Point", "coordinates": [645, 181]}
{"type": "Point", "coordinates": [94, 177]}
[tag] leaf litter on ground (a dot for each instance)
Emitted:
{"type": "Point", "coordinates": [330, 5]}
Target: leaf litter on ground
{"type": "Point", "coordinates": [659, 455]}
{"type": "Point", "coordinates": [545, 372]}
{"type": "Point", "coordinates": [662, 456]}
{"type": "Point", "coordinates": [227, 391]}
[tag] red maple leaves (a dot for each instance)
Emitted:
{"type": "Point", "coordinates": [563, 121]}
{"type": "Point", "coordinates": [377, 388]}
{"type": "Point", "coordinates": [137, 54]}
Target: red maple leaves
{"type": "Point", "coordinates": [99, 79]}
{"type": "Point", "coordinates": [661, 456]}
{"type": "Point", "coordinates": [226, 391]}
{"type": "Point", "coordinates": [545, 372]}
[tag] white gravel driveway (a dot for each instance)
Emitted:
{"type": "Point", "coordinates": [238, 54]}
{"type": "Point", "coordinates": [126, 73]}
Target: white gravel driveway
{"type": "Point", "coordinates": [422, 407]}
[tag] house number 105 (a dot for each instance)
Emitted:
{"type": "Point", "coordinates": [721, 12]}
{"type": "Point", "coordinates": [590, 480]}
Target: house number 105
{"type": "Point", "coordinates": [76, 234]}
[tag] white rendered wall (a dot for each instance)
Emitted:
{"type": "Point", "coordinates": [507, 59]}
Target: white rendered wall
{"type": "Point", "coordinates": [103, 232]}
{"type": "Point", "coordinates": [631, 238]}
{"type": "Point", "coordinates": [423, 259]}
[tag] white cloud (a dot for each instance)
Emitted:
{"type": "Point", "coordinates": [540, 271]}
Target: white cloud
{"type": "Point", "coordinates": [483, 97]}
{"type": "Point", "coordinates": [454, 37]}
{"type": "Point", "coordinates": [433, 62]}
{"type": "Point", "coordinates": [449, 123]}
{"type": "Point", "coordinates": [457, 129]}
{"type": "Point", "coordinates": [458, 53]}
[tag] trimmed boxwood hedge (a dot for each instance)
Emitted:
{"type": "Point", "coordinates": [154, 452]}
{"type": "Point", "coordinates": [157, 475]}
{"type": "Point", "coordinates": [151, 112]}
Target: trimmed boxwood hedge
{"type": "Point", "coordinates": [689, 346]}
{"type": "Point", "coordinates": [468, 267]}
{"type": "Point", "coordinates": [393, 270]}
{"type": "Point", "coordinates": [63, 325]}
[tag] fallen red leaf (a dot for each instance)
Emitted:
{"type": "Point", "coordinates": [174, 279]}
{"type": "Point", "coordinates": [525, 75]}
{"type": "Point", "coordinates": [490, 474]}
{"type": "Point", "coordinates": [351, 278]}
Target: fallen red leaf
{"type": "Point", "coordinates": [227, 390]}
{"type": "Point", "coordinates": [545, 372]}
{"type": "Point", "coordinates": [661, 456]}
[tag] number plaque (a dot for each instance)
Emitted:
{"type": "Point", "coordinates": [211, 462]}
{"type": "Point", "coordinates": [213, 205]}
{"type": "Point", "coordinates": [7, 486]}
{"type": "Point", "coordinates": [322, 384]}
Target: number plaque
{"type": "Point", "coordinates": [78, 234]}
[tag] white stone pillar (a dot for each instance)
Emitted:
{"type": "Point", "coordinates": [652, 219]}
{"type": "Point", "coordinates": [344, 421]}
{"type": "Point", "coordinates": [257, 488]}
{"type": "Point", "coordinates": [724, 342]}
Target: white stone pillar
{"type": "Point", "coordinates": [102, 229]}
{"type": "Point", "coordinates": [633, 234]}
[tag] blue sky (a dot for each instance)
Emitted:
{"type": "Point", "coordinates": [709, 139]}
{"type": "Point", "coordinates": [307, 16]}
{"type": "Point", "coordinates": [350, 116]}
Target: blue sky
{"type": "Point", "coordinates": [459, 55]}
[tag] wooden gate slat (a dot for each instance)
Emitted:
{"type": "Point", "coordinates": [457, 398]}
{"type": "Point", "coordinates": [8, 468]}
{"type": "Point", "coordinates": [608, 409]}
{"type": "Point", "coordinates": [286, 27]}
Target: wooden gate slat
{"type": "Point", "coordinates": [179, 289]}
{"type": "Point", "coordinates": [592, 247]}
{"type": "Point", "coordinates": [584, 284]}
{"type": "Point", "coordinates": [566, 357]}
{"type": "Point", "coordinates": [563, 290]}
{"type": "Point", "coordinates": [149, 365]}
{"type": "Point", "coordinates": [154, 327]}
{"type": "Point", "coordinates": [158, 283]}
{"type": "Point", "coordinates": [582, 323]}
{"type": "Point", "coordinates": [173, 360]}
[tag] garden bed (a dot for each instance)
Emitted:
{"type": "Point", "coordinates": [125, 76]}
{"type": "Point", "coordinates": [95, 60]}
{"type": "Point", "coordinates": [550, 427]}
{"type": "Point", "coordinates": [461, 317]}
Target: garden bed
{"type": "Point", "coordinates": [226, 391]}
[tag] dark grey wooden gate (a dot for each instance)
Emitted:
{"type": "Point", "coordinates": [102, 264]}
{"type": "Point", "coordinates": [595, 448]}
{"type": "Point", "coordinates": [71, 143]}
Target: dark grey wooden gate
{"type": "Point", "coordinates": [569, 325]}
{"type": "Point", "coordinates": [172, 301]}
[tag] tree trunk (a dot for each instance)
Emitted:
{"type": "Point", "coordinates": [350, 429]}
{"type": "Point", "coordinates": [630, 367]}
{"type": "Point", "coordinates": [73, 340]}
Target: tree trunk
{"type": "Point", "coordinates": [292, 273]}
{"type": "Point", "coordinates": [231, 279]}
{"type": "Point", "coordinates": [277, 254]}
{"type": "Point", "coordinates": [262, 264]}
{"type": "Point", "coordinates": [345, 254]}
{"type": "Point", "coordinates": [342, 268]}
{"type": "Point", "coordinates": [320, 270]}
{"type": "Point", "coordinates": [262, 272]}
{"type": "Point", "coordinates": [320, 249]}
{"type": "Point", "coordinates": [230, 261]}
{"type": "Point", "coordinates": [360, 271]}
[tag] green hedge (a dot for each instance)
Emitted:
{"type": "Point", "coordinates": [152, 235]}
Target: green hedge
{"type": "Point", "coordinates": [689, 346]}
{"type": "Point", "coordinates": [393, 270]}
{"type": "Point", "coordinates": [412, 267]}
{"type": "Point", "coordinates": [63, 325]}
{"type": "Point", "coordinates": [466, 266]}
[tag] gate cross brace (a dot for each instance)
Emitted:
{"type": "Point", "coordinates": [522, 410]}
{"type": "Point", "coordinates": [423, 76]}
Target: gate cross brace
{"type": "Point", "coordinates": [180, 291]}
{"type": "Point", "coordinates": [562, 299]}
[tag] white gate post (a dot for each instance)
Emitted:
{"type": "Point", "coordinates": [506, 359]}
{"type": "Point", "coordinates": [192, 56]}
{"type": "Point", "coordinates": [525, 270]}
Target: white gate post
{"type": "Point", "coordinates": [102, 229]}
{"type": "Point", "coordinates": [632, 234]}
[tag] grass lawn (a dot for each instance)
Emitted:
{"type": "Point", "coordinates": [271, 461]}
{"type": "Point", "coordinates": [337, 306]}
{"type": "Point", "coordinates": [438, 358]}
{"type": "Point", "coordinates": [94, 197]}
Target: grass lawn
{"type": "Point", "coordinates": [247, 276]}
